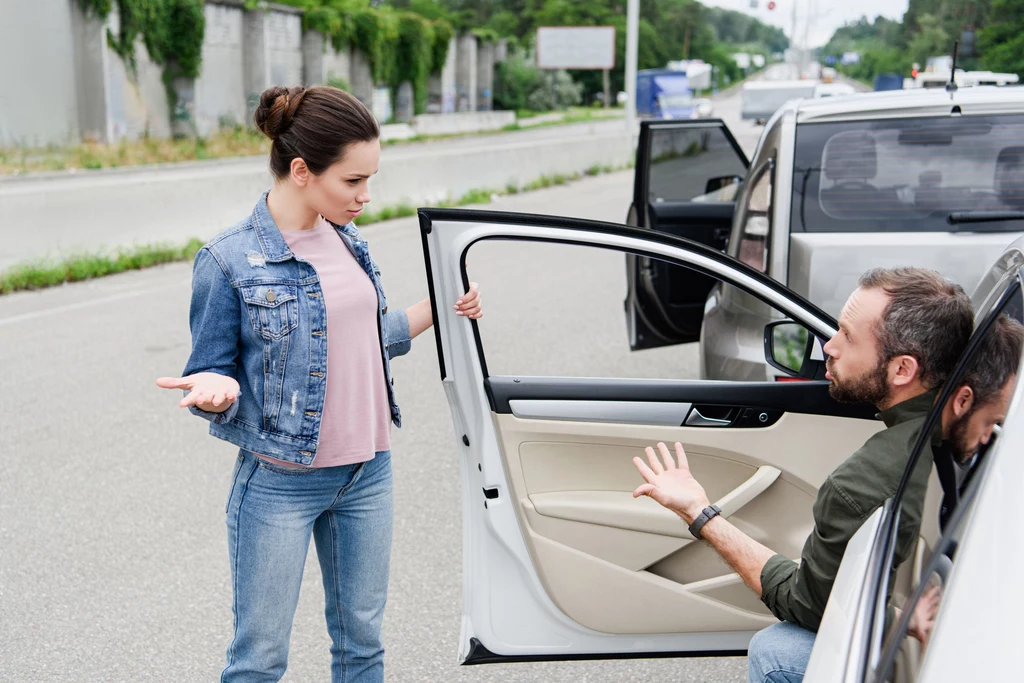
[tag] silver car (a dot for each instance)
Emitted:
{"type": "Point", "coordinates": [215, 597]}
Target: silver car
{"type": "Point", "coordinates": [836, 186]}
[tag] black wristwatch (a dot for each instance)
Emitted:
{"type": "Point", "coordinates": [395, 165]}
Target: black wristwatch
{"type": "Point", "coordinates": [703, 518]}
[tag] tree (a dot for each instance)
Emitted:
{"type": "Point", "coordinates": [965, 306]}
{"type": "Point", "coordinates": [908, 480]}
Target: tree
{"type": "Point", "coordinates": [1002, 42]}
{"type": "Point", "coordinates": [931, 40]}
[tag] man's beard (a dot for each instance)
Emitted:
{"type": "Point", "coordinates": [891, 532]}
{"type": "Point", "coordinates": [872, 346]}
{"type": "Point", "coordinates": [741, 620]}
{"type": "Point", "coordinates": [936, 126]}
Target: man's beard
{"type": "Point", "coordinates": [957, 439]}
{"type": "Point", "coordinates": [872, 388]}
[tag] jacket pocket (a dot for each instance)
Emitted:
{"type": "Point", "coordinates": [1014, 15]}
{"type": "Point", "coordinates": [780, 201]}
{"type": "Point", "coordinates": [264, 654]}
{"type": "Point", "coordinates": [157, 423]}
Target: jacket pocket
{"type": "Point", "coordinates": [273, 309]}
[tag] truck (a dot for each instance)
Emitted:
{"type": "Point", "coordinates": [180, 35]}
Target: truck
{"type": "Point", "coordinates": [664, 94]}
{"type": "Point", "coordinates": [761, 99]}
{"type": "Point", "coordinates": [888, 81]}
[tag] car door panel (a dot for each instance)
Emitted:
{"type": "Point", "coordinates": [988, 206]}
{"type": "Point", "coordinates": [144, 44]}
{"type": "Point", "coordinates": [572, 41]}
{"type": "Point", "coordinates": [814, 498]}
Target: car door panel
{"type": "Point", "coordinates": [572, 483]}
{"type": "Point", "coordinates": [554, 566]}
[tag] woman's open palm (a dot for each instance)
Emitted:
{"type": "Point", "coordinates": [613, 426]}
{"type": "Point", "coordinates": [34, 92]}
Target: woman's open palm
{"type": "Point", "coordinates": [206, 388]}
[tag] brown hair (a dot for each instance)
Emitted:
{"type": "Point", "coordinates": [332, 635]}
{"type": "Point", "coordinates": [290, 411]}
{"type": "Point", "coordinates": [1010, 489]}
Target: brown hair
{"type": "Point", "coordinates": [995, 361]}
{"type": "Point", "coordinates": [928, 317]}
{"type": "Point", "coordinates": [315, 124]}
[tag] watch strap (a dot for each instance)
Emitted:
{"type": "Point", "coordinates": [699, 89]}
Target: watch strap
{"type": "Point", "coordinates": [703, 518]}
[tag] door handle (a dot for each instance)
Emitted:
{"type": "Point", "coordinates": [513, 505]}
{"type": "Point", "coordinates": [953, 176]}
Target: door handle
{"type": "Point", "coordinates": [731, 502]}
{"type": "Point", "coordinates": [695, 419]}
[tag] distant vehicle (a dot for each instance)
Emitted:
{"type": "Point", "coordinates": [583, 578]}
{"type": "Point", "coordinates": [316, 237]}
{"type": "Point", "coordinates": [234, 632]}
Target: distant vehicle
{"type": "Point", "coordinates": [761, 99]}
{"type": "Point", "coordinates": [664, 94]}
{"type": "Point", "coordinates": [888, 82]}
{"type": "Point", "coordinates": [964, 79]}
{"type": "Point", "coordinates": [833, 90]}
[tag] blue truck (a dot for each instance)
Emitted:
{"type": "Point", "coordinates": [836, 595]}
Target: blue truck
{"type": "Point", "coordinates": [664, 94]}
{"type": "Point", "coordinates": [889, 82]}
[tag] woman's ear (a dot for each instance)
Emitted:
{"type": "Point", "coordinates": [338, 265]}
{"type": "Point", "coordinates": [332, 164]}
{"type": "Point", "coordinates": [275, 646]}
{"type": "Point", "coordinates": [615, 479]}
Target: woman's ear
{"type": "Point", "coordinates": [299, 172]}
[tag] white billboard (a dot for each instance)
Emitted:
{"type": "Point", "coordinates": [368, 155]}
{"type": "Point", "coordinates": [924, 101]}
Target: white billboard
{"type": "Point", "coordinates": [576, 47]}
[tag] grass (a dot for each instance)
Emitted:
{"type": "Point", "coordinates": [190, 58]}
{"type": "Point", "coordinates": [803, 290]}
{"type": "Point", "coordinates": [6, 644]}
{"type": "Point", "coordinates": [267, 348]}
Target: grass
{"type": "Point", "coordinates": [230, 142]}
{"type": "Point", "coordinates": [238, 141]}
{"type": "Point", "coordinates": [42, 274]}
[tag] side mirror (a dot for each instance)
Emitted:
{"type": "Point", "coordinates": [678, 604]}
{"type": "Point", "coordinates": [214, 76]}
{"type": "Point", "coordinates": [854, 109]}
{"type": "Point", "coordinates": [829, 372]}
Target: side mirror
{"type": "Point", "coordinates": [716, 184]}
{"type": "Point", "coordinates": [789, 347]}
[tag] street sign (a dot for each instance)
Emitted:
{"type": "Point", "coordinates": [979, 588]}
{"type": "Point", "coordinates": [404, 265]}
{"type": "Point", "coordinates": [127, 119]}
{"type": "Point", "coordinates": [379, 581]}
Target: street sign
{"type": "Point", "coordinates": [576, 47]}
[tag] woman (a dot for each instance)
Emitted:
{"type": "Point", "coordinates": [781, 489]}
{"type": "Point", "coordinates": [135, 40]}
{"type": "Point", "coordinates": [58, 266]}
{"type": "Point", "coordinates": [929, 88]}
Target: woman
{"type": "Point", "coordinates": [291, 343]}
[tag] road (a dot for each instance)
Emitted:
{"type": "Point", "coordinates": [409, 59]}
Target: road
{"type": "Point", "coordinates": [113, 563]}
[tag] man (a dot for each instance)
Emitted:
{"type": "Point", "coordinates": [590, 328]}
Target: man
{"type": "Point", "coordinates": [977, 406]}
{"type": "Point", "coordinates": [900, 335]}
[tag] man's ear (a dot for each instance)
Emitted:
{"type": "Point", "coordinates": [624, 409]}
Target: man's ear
{"type": "Point", "coordinates": [903, 370]}
{"type": "Point", "coordinates": [962, 401]}
{"type": "Point", "coordinates": [299, 171]}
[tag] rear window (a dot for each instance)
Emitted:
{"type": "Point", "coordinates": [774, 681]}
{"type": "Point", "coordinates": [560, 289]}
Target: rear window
{"type": "Point", "coordinates": [907, 175]}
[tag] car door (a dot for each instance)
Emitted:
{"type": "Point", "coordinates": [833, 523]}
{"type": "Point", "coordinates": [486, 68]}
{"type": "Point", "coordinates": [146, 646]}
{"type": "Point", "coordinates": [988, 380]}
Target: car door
{"type": "Point", "coordinates": [685, 182]}
{"type": "Point", "coordinates": [559, 560]}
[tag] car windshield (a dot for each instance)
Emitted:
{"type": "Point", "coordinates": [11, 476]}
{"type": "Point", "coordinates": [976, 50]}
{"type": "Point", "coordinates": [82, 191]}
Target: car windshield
{"type": "Point", "coordinates": [901, 175]}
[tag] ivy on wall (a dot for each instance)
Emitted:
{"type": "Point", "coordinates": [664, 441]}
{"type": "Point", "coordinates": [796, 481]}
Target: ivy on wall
{"type": "Point", "coordinates": [172, 31]}
{"type": "Point", "coordinates": [399, 45]}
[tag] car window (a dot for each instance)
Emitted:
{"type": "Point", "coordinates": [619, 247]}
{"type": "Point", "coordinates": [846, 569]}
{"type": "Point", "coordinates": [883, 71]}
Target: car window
{"type": "Point", "coordinates": [685, 160]}
{"type": "Point", "coordinates": [992, 365]}
{"type": "Point", "coordinates": [558, 310]}
{"type": "Point", "coordinates": [900, 175]}
{"type": "Point", "coordinates": [755, 234]}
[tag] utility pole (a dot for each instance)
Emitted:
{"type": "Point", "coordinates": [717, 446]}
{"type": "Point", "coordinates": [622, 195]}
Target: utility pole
{"type": "Point", "coordinates": [632, 43]}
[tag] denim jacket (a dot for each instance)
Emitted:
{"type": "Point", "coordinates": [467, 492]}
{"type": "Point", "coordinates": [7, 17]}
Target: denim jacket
{"type": "Point", "coordinates": [258, 315]}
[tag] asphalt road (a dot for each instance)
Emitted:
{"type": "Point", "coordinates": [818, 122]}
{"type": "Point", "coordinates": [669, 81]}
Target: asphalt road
{"type": "Point", "coordinates": [113, 562]}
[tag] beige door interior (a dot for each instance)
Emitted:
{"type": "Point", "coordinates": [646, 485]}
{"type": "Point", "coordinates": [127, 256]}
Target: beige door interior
{"type": "Point", "coordinates": [622, 565]}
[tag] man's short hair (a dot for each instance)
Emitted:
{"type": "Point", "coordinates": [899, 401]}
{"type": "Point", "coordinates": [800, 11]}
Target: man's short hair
{"type": "Point", "coordinates": [996, 361]}
{"type": "Point", "coordinates": [928, 317]}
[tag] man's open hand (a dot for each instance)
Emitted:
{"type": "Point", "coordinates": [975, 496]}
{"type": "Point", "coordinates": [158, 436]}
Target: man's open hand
{"type": "Point", "coordinates": [671, 484]}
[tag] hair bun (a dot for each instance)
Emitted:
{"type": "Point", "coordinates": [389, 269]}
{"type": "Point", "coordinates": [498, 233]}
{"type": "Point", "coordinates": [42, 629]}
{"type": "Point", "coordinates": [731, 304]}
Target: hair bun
{"type": "Point", "coordinates": [277, 106]}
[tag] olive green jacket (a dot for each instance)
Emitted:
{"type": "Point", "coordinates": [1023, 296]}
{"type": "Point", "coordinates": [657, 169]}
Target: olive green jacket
{"type": "Point", "coordinates": [798, 593]}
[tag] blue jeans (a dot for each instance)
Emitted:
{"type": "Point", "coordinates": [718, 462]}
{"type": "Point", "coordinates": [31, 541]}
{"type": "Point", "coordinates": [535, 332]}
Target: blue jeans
{"type": "Point", "coordinates": [271, 513]}
{"type": "Point", "coordinates": [779, 654]}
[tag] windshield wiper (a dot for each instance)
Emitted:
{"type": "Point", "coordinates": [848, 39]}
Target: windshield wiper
{"type": "Point", "coordinates": [962, 217]}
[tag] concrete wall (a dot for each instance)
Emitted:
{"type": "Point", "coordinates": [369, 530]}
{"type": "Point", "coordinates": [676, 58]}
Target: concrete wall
{"type": "Point", "coordinates": [465, 73]}
{"type": "Point", "coordinates": [462, 122]}
{"type": "Point", "coordinates": [485, 77]}
{"type": "Point", "coordinates": [136, 101]}
{"type": "Point", "coordinates": [362, 78]}
{"type": "Point", "coordinates": [91, 53]}
{"type": "Point", "coordinates": [442, 85]}
{"type": "Point", "coordinates": [38, 95]}
{"type": "Point", "coordinates": [220, 89]}
{"type": "Point", "coordinates": [90, 93]}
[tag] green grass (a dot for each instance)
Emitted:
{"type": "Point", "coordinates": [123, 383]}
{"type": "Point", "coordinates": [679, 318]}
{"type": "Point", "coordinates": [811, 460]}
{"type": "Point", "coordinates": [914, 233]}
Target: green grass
{"type": "Point", "coordinates": [41, 274]}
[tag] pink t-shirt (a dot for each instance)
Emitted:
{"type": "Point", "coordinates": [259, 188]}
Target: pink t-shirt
{"type": "Point", "coordinates": [356, 420]}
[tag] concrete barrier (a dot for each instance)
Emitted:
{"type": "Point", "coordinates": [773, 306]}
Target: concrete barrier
{"type": "Point", "coordinates": [462, 122]}
{"type": "Point", "coordinates": [56, 214]}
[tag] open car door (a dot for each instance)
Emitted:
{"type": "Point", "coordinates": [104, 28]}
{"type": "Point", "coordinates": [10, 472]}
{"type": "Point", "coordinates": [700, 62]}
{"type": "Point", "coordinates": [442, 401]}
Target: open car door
{"type": "Point", "coordinates": [559, 560]}
{"type": "Point", "coordinates": [685, 184]}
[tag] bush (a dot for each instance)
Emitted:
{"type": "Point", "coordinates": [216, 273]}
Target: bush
{"type": "Point", "coordinates": [567, 93]}
{"type": "Point", "coordinates": [514, 80]}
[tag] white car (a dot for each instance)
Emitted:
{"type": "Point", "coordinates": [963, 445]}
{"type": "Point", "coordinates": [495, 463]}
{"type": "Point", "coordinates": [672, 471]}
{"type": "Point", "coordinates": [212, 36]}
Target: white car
{"type": "Point", "coordinates": [560, 562]}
